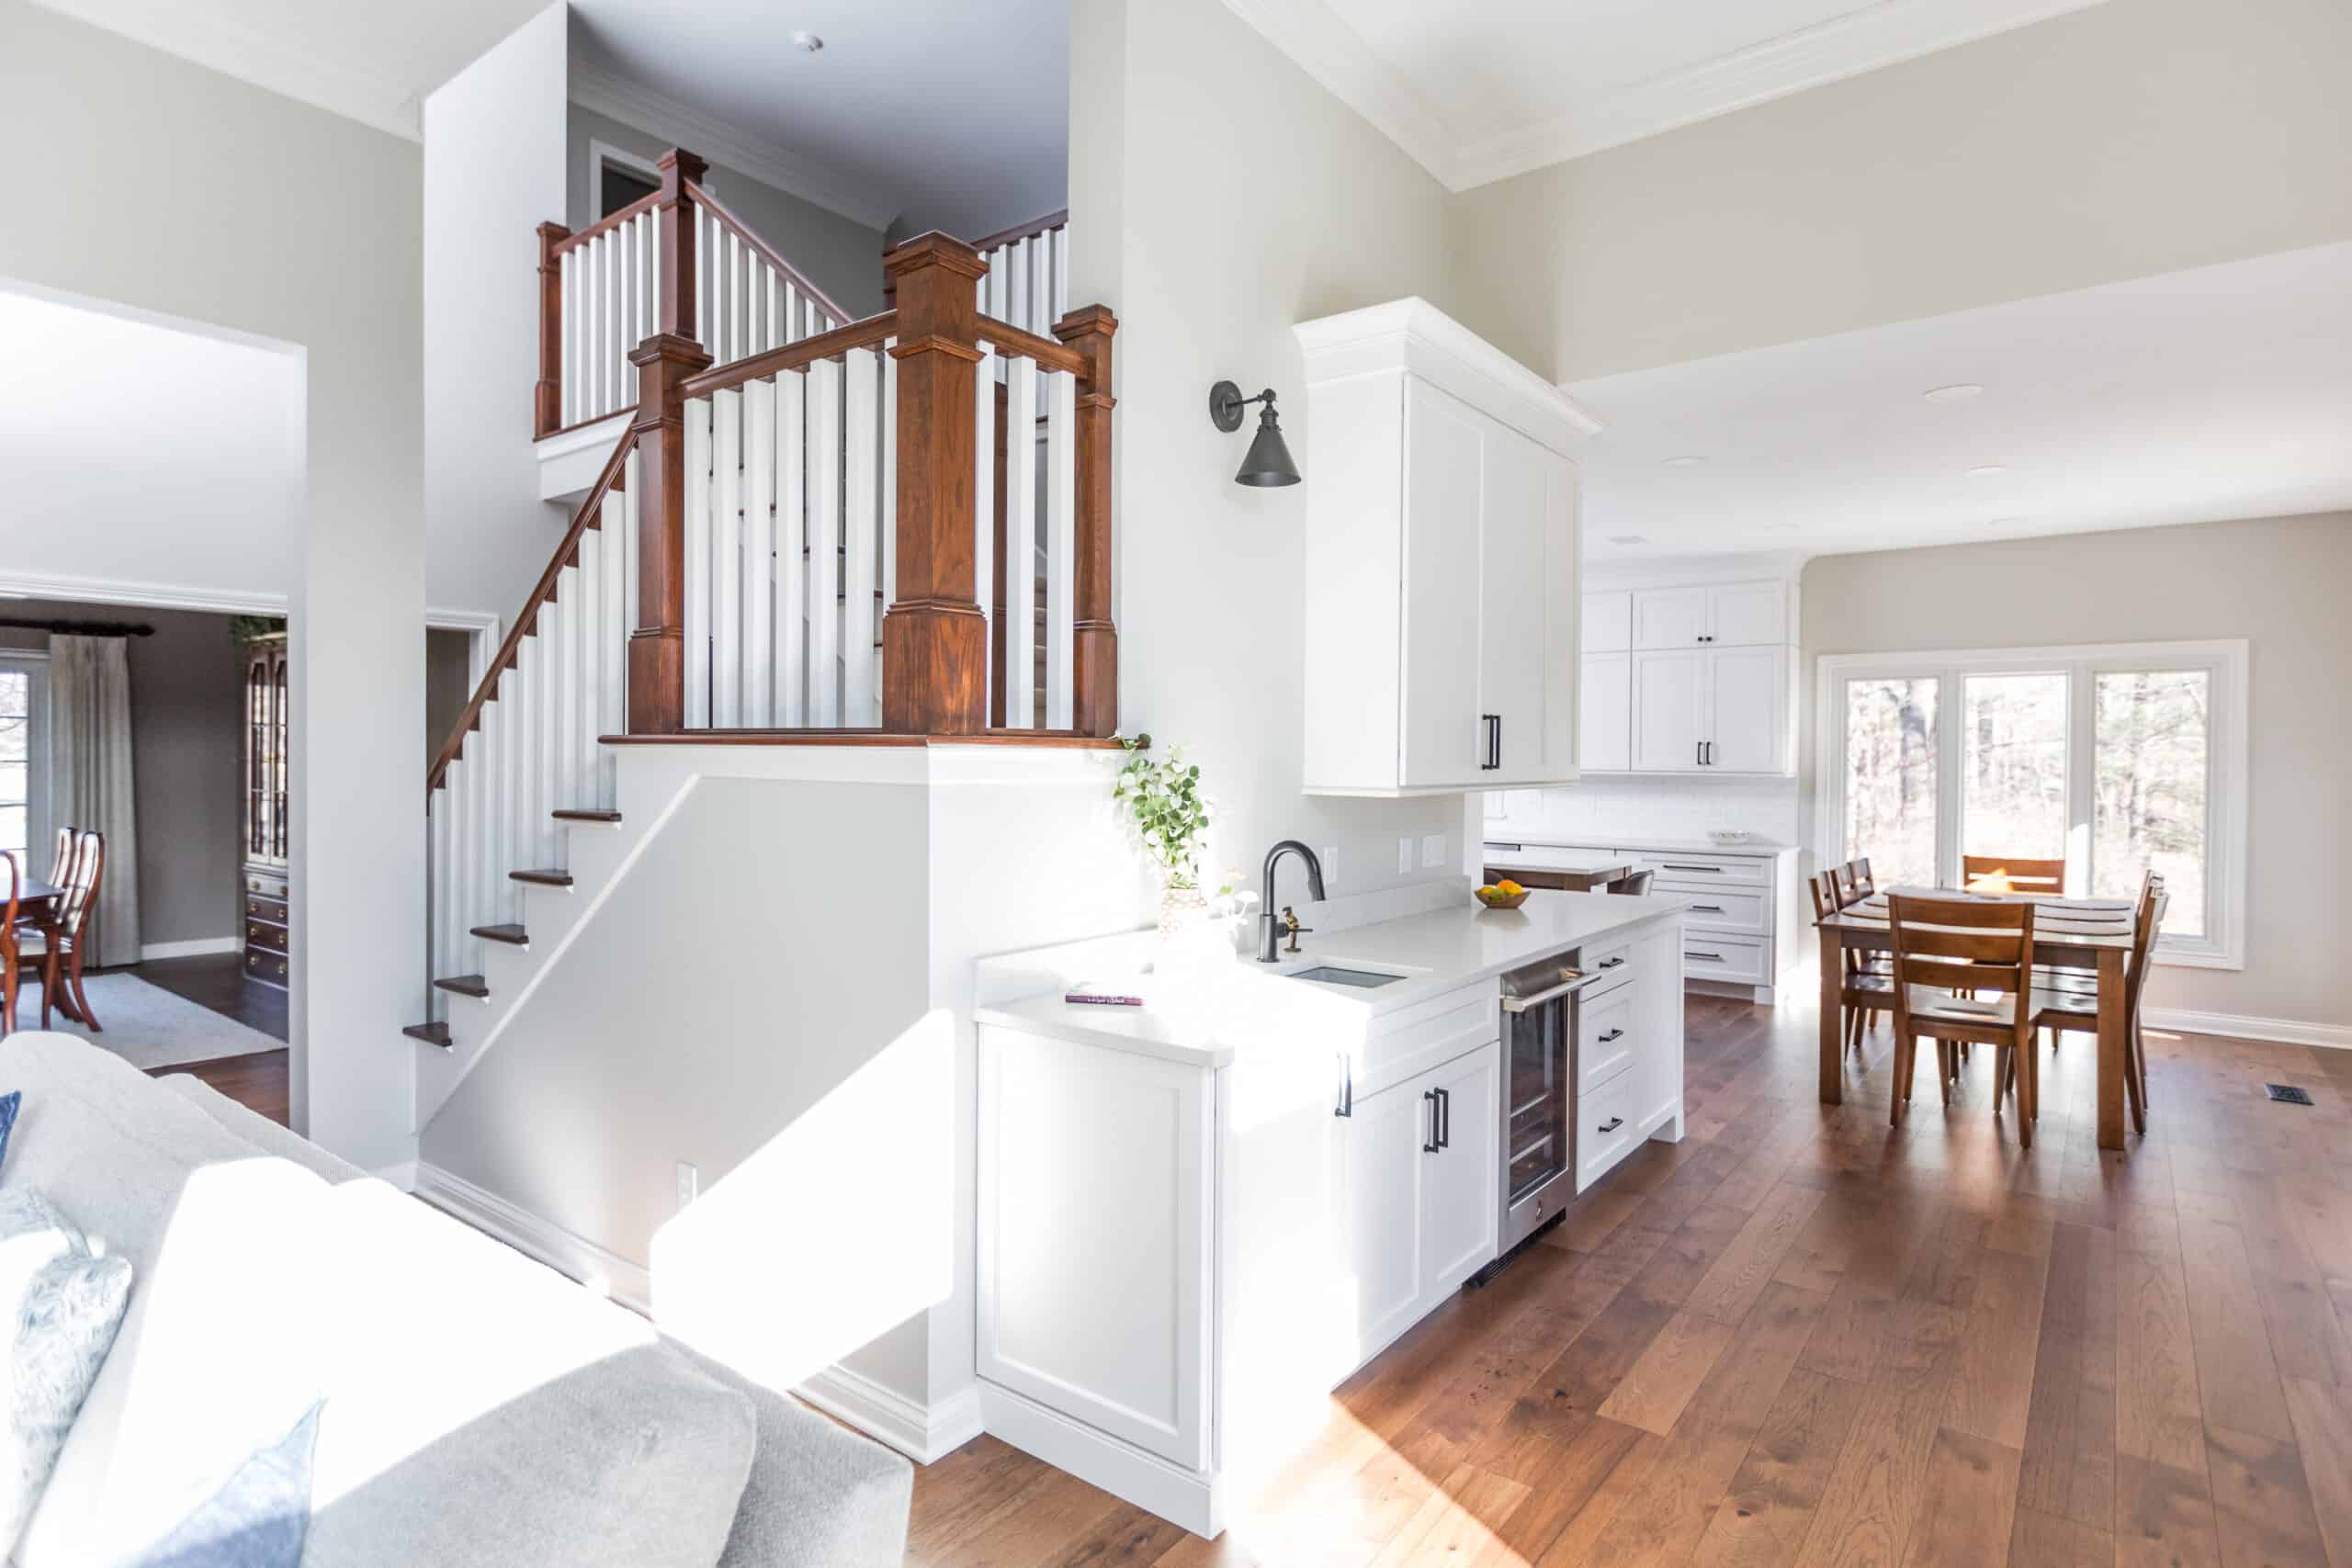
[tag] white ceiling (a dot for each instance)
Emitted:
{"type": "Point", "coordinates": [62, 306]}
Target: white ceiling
{"type": "Point", "coordinates": [1479, 90]}
{"type": "Point", "coordinates": [2221, 393]}
{"type": "Point", "coordinates": [948, 113]}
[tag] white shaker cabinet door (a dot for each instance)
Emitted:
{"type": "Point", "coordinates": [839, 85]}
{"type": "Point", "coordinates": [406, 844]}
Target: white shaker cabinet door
{"type": "Point", "coordinates": [1670, 710]}
{"type": "Point", "coordinates": [1376, 1185]}
{"type": "Point", "coordinates": [1460, 1180]}
{"type": "Point", "coordinates": [1670, 617]}
{"type": "Point", "coordinates": [1445, 442]}
{"type": "Point", "coordinates": [1749, 615]}
{"type": "Point", "coordinates": [1527, 608]}
{"type": "Point", "coordinates": [1605, 716]}
{"type": "Point", "coordinates": [1749, 710]}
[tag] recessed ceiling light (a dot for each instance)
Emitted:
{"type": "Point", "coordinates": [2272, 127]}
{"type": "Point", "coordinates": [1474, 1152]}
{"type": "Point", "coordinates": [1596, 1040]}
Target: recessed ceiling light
{"type": "Point", "coordinates": [1987, 470]}
{"type": "Point", "coordinates": [1958, 392]}
{"type": "Point", "coordinates": [1628, 538]}
{"type": "Point", "coordinates": [1684, 462]}
{"type": "Point", "coordinates": [808, 42]}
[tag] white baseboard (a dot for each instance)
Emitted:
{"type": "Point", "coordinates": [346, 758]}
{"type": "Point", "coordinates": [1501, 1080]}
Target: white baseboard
{"type": "Point", "coordinates": [924, 1434]}
{"type": "Point", "coordinates": [1183, 1497]}
{"type": "Point", "coordinates": [403, 1176]}
{"type": "Point", "coordinates": [150, 951]}
{"type": "Point", "coordinates": [607, 1273]}
{"type": "Point", "coordinates": [2283, 1031]}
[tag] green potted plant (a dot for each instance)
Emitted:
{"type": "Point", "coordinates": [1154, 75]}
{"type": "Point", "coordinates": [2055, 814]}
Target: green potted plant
{"type": "Point", "coordinates": [1161, 793]}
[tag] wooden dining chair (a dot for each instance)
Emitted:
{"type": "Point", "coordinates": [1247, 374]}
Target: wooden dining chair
{"type": "Point", "coordinates": [1945, 946]}
{"type": "Point", "coordinates": [1863, 992]}
{"type": "Point", "coordinates": [61, 862]}
{"type": "Point", "coordinates": [65, 936]}
{"type": "Point", "coordinates": [9, 960]}
{"type": "Point", "coordinates": [2059, 1009]}
{"type": "Point", "coordinates": [2007, 873]}
{"type": "Point", "coordinates": [1634, 884]}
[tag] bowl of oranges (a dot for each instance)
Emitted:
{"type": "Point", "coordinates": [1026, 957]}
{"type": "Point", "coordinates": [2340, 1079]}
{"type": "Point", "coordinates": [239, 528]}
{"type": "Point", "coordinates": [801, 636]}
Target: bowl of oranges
{"type": "Point", "coordinates": [1503, 895]}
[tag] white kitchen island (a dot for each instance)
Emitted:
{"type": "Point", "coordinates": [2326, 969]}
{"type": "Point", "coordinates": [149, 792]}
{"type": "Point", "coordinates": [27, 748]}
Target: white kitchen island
{"type": "Point", "coordinates": [1197, 1216]}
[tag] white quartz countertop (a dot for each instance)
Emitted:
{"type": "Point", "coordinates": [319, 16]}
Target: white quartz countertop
{"type": "Point", "coordinates": [1208, 1011]}
{"type": "Point", "coordinates": [1657, 846]}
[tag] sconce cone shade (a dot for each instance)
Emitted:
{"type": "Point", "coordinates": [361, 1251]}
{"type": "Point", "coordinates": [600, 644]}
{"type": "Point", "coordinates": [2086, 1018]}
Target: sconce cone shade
{"type": "Point", "coordinates": [1268, 466]}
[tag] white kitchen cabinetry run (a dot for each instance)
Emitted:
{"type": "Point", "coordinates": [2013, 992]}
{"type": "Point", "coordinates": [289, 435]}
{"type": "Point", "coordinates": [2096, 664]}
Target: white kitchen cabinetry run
{"type": "Point", "coordinates": [1442, 555]}
{"type": "Point", "coordinates": [1719, 710]}
{"type": "Point", "coordinates": [1715, 615]}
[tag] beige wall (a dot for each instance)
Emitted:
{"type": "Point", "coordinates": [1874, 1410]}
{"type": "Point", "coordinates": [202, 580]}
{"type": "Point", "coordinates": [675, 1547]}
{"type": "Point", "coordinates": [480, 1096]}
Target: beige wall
{"type": "Point", "coordinates": [2278, 583]}
{"type": "Point", "coordinates": [2130, 138]}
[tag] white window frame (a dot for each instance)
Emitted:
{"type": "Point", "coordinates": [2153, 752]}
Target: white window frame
{"type": "Point", "coordinates": [2225, 663]}
{"type": "Point", "coordinates": [35, 664]}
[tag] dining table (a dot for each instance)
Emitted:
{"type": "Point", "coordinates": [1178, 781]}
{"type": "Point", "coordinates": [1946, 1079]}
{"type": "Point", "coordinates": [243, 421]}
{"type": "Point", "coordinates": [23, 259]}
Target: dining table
{"type": "Point", "coordinates": [2092, 935]}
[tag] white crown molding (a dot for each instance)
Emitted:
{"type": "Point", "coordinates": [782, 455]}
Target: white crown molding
{"type": "Point", "coordinates": [146, 595]}
{"type": "Point", "coordinates": [1885, 32]}
{"type": "Point", "coordinates": [259, 58]}
{"type": "Point", "coordinates": [605, 91]}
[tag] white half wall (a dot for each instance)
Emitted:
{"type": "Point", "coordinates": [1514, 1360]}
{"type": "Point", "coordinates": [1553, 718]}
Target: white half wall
{"type": "Point", "coordinates": [170, 188]}
{"type": "Point", "coordinates": [493, 172]}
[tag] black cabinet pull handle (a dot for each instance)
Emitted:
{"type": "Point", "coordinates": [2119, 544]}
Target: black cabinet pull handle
{"type": "Point", "coordinates": [1610, 963]}
{"type": "Point", "coordinates": [1612, 1035]}
{"type": "Point", "coordinates": [1445, 1118]}
{"type": "Point", "coordinates": [1429, 1145]}
{"type": "Point", "coordinates": [1717, 869]}
{"type": "Point", "coordinates": [1706, 908]}
{"type": "Point", "coordinates": [1611, 1125]}
{"type": "Point", "coordinates": [1694, 952]}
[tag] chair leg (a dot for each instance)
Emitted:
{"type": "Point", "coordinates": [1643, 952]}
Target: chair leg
{"type": "Point", "coordinates": [1943, 1070]}
{"type": "Point", "coordinates": [81, 998]}
{"type": "Point", "coordinates": [48, 982]}
{"type": "Point", "coordinates": [1904, 1051]}
{"type": "Point", "coordinates": [2138, 1068]}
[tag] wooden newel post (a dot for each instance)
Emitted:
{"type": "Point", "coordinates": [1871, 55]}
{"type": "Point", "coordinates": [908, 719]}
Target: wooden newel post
{"type": "Point", "coordinates": [673, 241]}
{"type": "Point", "coordinates": [657, 644]}
{"type": "Point", "coordinates": [1094, 646]}
{"type": "Point", "coordinates": [546, 401]}
{"type": "Point", "coordinates": [934, 639]}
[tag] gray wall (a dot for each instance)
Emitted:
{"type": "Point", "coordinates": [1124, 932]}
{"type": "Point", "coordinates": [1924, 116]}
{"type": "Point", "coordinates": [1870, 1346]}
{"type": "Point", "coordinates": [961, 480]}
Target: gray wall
{"type": "Point", "coordinates": [2277, 582]}
{"type": "Point", "coordinates": [2126, 140]}
{"type": "Point", "coordinates": [840, 255]}
{"type": "Point", "coordinates": [187, 764]}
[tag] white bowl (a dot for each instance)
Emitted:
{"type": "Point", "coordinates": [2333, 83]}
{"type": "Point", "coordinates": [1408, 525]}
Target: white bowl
{"type": "Point", "coordinates": [1729, 835]}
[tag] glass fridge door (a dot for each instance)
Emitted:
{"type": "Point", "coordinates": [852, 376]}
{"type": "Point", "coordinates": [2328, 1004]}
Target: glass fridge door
{"type": "Point", "coordinates": [1536, 1078]}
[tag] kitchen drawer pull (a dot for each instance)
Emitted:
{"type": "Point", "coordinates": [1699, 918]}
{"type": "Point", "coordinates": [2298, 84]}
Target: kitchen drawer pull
{"type": "Point", "coordinates": [1611, 1125]}
{"type": "Point", "coordinates": [1706, 908]}
{"type": "Point", "coordinates": [1445, 1117]}
{"type": "Point", "coordinates": [1551, 993]}
{"type": "Point", "coordinates": [1430, 1144]}
{"type": "Point", "coordinates": [1717, 869]}
{"type": "Point", "coordinates": [1694, 952]}
{"type": "Point", "coordinates": [1612, 1035]}
{"type": "Point", "coordinates": [1611, 963]}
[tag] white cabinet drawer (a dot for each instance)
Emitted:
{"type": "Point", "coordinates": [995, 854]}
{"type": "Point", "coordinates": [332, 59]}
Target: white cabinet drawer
{"type": "Point", "coordinates": [1714, 908]}
{"type": "Point", "coordinates": [1713, 955]}
{"type": "Point", "coordinates": [1426, 1035]}
{"type": "Point", "coordinates": [1606, 1038]}
{"type": "Point", "coordinates": [1734, 870]}
{"type": "Point", "coordinates": [1608, 1126]}
{"type": "Point", "coordinates": [1610, 966]}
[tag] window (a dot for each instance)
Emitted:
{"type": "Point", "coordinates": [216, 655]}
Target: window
{"type": "Point", "coordinates": [24, 758]}
{"type": "Point", "coordinates": [2115, 759]}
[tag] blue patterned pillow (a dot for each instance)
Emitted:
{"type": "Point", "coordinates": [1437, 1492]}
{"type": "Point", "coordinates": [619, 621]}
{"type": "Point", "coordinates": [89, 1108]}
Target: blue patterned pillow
{"type": "Point", "coordinates": [258, 1518]}
{"type": "Point", "coordinates": [60, 1302]}
{"type": "Point", "coordinates": [10, 1103]}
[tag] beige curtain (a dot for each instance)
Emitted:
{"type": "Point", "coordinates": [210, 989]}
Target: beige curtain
{"type": "Point", "coordinates": [89, 778]}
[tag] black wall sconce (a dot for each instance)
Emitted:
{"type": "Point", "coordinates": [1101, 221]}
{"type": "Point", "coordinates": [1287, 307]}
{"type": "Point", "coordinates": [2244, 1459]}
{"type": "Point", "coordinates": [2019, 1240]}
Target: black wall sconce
{"type": "Point", "coordinates": [1268, 464]}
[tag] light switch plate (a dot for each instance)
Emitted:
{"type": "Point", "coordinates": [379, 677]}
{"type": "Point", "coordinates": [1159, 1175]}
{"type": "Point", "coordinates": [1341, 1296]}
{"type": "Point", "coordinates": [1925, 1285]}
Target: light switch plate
{"type": "Point", "coordinates": [689, 1183]}
{"type": "Point", "coordinates": [1330, 858]}
{"type": "Point", "coordinates": [1433, 850]}
{"type": "Point", "coordinates": [1403, 855]}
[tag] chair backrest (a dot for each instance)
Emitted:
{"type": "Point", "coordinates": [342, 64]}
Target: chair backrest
{"type": "Point", "coordinates": [1634, 883]}
{"type": "Point", "coordinates": [2007, 873]}
{"type": "Point", "coordinates": [1824, 888]}
{"type": "Point", "coordinates": [1855, 882]}
{"type": "Point", "coordinates": [2148, 920]}
{"type": "Point", "coordinates": [61, 864]}
{"type": "Point", "coordinates": [1963, 944]}
{"type": "Point", "coordinates": [80, 900]}
{"type": "Point", "coordinates": [9, 916]}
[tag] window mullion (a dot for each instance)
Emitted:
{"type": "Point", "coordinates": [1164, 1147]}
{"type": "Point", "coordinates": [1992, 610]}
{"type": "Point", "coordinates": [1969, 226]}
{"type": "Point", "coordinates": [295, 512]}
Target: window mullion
{"type": "Point", "coordinates": [2082, 775]}
{"type": "Point", "coordinates": [1950, 774]}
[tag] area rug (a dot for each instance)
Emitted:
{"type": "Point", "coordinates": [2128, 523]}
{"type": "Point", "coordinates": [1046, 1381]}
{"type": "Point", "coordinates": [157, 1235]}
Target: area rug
{"type": "Point", "coordinates": [147, 1025]}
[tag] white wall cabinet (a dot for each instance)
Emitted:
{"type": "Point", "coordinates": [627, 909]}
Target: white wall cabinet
{"type": "Point", "coordinates": [1607, 623]}
{"type": "Point", "coordinates": [1714, 614]}
{"type": "Point", "coordinates": [1710, 710]}
{"type": "Point", "coordinates": [1605, 714]}
{"type": "Point", "coordinates": [1443, 541]}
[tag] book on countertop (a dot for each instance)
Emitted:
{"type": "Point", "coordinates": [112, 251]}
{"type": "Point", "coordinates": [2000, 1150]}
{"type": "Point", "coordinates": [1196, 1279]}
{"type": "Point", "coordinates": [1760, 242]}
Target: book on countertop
{"type": "Point", "coordinates": [1098, 994]}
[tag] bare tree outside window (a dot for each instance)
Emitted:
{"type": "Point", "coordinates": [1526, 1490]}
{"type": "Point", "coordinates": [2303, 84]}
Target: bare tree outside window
{"type": "Point", "coordinates": [1891, 777]}
{"type": "Point", "coordinates": [15, 760]}
{"type": "Point", "coordinates": [2013, 772]}
{"type": "Point", "coordinates": [2152, 747]}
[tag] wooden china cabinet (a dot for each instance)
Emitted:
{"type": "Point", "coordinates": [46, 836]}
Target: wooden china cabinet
{"type": "Point", "coordinates": [266, 829]}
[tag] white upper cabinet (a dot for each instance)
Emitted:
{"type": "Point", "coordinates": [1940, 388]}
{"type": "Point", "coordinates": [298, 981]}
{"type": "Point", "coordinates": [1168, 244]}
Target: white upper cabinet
{"type": "Point", "coordinates": [1605, 712]}
{"type": "Point", "coordinates": [1607, 623]}
{"type": "Point", "coordinates": [1443, 537]}
{"type": "Point", "coordinates": [1728, 615]}
{"type": "Point", "coordinates": [1710, 710]}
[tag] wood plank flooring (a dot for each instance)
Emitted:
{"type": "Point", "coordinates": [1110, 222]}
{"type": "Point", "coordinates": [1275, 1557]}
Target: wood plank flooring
{"type": "Point", "coordinates": [1802, 1336]}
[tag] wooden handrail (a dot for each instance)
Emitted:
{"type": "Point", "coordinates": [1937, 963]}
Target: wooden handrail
{"type": "Point", "coordinates": [610, 222]}
{"type": "Point", "coordinates": [867, 333]}
{"type": "Point", "coordinates": [1050, 356]}
{"type": "Point", "coordinates": [1045, 225]}
{"type": "Point", "coordinates": [590, 515]}
{"type": "Point", "coordinates": [766, 253]}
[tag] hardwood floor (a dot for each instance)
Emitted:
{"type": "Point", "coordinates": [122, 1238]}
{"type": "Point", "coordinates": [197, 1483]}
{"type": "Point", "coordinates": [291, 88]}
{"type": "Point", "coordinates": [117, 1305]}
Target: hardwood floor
{"type": "Point", "coordinates": [1802, 1336]}
{"type": "Point", "coordinates": [218, 981]}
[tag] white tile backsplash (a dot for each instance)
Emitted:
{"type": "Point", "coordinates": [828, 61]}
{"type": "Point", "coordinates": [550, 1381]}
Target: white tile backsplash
{"type": "Point", "coordinates": [1667, 809]}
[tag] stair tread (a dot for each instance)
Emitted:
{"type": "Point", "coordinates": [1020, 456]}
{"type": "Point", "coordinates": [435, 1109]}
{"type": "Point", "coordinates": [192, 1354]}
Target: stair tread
{"type": "Point", "coordinates": [548, 877]}
{"type": "Point", "coordinates": [431, 1033]}
{"type": "Point", "coordinates": [464, 984]}
{"type": "Point", "coordinates": [509, 932]}
{"type": "Point", "coordinates": [571, 815]}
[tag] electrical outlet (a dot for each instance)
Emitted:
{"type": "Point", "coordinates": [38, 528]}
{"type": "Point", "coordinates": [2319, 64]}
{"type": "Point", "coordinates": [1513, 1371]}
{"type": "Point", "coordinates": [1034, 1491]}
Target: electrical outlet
{"type": "Point", "coordinates": [689, 1183]}
{"type": "Point", "coordinates": [1331, 859]}
{"type": "Point", "coordinates": [1433, 850]}
{"type": "Point", "coordinates": [1405, 855]}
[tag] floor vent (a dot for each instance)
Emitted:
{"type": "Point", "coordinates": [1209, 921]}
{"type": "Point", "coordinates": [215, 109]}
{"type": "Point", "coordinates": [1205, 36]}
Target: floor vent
{"type": "Point", "coordinates": [2287, 1093]}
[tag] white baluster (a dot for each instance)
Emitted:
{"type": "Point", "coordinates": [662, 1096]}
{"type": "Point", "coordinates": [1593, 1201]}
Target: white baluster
{"type": "Point", "coordinates": [861, 495]}
{"type": "Point", "coordinates": [546, 767]}
{"type": "Point", "coordinates": [792, 333]}
{"type": "Point", "coordinates": [453, 783]}
{"type": "Point", "coordinates": [824, 543]}
{"type": "Point", "coordinates": [1059, 240]}
{"type": "Point", "coordinates": [737, 257]}
{"type": "Point", "coordinates": [651, 274]}
{"type": "Point", "coordinates": [1020, 544]}
{"type": "Point", "coordinates": [791, 540]}
{"type": "Point", "coordinates": [984, 509]}
{"type": "Point", "coordinates": [568, 265]}
{"type": "Point", "coordinates": [727, 560]}
{"type": "Point", "coordinates": [696, 652]}
{"type": "Point", "coordinates": [759, 553]}
{"type": "Point", "coordinates": [616, 350]}
{"type": "Point", "coordinates": [436, 872]}
{"type": "Point", "coordinates": [518, 693]}
{"type": "Point", "coordinates": [629, 559]}
{"type": "Point", "coordinates": [701, 279]}
{"type": "Point", "coordinates": [600, 351]}
{"type": "Point", "coordinates": [889, 502]}
{"type": "Point", "coordinates": [587, 627]}
{"type": "Point", "coordinates": [497, 755]}
{"type": "Point", "coordinates": [477, 857]}
{"type": "Point", "coordinates": [564, 654]}
{"type": "Point", "coordinates": [1062, 543]}
{"type": "Point", "coordinates": [612, 706]}
{"type": "Point", "coordinates": [1041, 283]}
{"type": "Point", "coordinates": [778, 333]}
{"type": "Point", "coordinates": [632, 328]}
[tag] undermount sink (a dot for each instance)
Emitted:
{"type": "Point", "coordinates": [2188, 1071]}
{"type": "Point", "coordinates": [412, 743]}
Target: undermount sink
{"type": "Point", "coordinates": [1331, 975]}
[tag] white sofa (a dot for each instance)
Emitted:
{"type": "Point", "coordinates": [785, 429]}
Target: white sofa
{"type": "Point", "coordinates": [475, 1407]}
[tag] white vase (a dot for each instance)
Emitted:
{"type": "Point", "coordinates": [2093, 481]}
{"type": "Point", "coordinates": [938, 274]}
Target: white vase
{"type": "Point", "coordinates": [1182, 911]}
